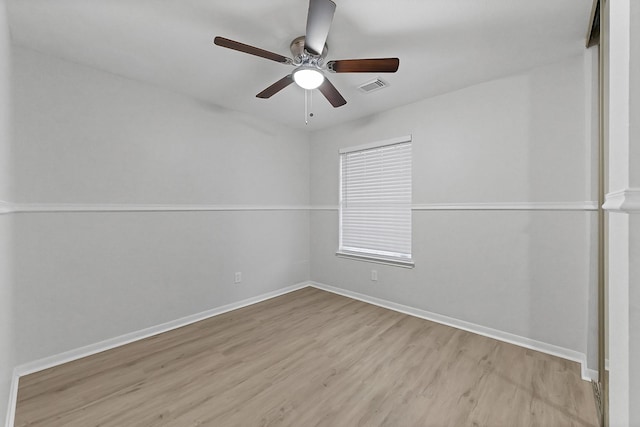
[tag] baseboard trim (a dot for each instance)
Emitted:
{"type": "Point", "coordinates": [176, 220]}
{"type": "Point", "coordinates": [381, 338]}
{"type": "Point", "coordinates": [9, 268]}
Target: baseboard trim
{"type": "Point", "coordinates": [108, 344]}
{"type": "Point", "coordinates": [13, 400]}
{"type": "Point", "coordinates": [69, 356]}
{"type": "Point", "coordinates": [593, 374]}
{"type": "Point", "coordinates": [587, 374]}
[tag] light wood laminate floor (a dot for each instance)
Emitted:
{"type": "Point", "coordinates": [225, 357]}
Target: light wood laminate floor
{"type": "Point", "coordinates": [310, 358]}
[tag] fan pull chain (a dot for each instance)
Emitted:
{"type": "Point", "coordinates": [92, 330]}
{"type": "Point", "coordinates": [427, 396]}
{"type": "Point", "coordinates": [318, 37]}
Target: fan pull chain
{"type": "Point", "coordinates": [308, 105]}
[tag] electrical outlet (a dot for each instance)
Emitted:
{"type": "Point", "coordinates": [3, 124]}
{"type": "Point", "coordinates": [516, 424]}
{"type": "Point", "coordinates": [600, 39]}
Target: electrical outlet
{"type": "Point", "coordinates": [238, 278]}
{"type": "Point", "coordinates": [374, 275]}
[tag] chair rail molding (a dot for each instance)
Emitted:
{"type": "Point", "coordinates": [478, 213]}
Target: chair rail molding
{"type": "Point", "coordinates": [508, 206]}
{"type": "Point", "coordinates": [491, 206]}
{"type": "Point", "coordinates": [7, 207]}
{"type": "Point", "coordinates": [626, 200]}
{"type": "Point", "coordinates": [17, 208]}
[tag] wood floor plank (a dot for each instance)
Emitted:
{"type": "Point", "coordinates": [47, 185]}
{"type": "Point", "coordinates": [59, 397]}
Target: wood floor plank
{"type": "Point", "coordinates": [310, 358]}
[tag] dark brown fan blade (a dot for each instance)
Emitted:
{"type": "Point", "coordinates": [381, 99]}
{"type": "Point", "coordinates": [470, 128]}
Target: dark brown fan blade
{"type": "Point", "coordinates": [381, 65]}
{"type": "Point", "coordinates": [276, 87]}
{"type": "Point", "coordinates": [319, 20]}
{"type": "Point", "coordinates": [331, 93]}
{"type": "Point", "coordinates": [251, 50]}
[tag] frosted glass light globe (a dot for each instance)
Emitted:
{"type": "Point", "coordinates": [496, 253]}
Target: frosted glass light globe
{"type": "Point", "coordinates": [308, 78]}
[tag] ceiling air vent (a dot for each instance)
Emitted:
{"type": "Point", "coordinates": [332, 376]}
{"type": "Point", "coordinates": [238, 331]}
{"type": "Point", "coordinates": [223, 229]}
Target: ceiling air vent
{"type": "Point", "coordinates": [372, 86]}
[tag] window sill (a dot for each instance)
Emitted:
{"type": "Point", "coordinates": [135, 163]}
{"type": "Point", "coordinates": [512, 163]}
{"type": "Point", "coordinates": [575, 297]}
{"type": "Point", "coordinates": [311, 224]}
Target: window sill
{"type": "Point", "coordinates": [376, 259]}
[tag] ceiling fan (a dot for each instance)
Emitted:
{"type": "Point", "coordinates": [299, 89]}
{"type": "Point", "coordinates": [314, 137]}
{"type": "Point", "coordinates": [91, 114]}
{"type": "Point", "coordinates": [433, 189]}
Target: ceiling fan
{"type": "Point", "coordinates": [309, 52]}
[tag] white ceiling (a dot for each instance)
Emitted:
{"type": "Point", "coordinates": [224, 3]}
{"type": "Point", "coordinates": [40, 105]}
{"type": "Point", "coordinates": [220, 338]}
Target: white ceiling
{"type": "Point", "coordinates": [443, 45]}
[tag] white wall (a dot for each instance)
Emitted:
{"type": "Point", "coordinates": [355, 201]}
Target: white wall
{"type": "Point", "coordinates": [624, 205]}
{"type": "Point", "coordinates": [521, 139]}
{"type": "Point", "coordinates": [634, 315]}
{"type": "Point", "coordinates": [7, 356]}
{"type": "Point", "coordinates": [634, 224]}
{"type": "Point", "coordinates": [6, 340]}
{"type": "Point", "coordinates": [634, 94]}
{"type": "Point", "coordinates": [90, 138]}
{"type": "Point", "coordinates": [85, 136]}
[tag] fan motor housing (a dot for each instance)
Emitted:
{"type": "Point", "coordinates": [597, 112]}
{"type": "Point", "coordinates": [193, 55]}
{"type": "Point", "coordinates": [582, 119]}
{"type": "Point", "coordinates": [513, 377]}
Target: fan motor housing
{"type": "Point", "coordinates": [300, 54]}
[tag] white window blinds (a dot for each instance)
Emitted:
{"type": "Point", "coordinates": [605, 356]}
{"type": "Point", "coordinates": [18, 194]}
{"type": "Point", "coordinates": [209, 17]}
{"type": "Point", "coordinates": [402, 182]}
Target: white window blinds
{"type": "Point", "coordinates": [375, 201]}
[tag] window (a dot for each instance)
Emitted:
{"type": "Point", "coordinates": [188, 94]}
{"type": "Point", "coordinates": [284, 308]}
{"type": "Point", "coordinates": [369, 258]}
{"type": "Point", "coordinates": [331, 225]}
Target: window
{"type": "Point", "coordinates": [375, 202]}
